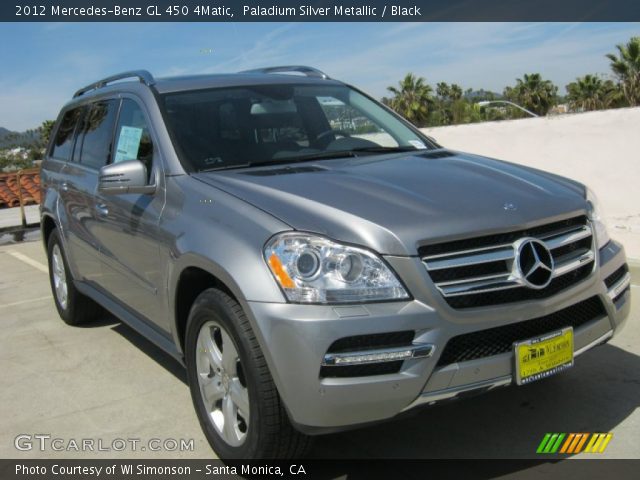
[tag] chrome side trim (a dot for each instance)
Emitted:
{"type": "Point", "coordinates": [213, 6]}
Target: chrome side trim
{"type": "Point", "coordinates": [417, 350]}
{"type": "Point", "coordinates": [620, 286]}
{"type": "Point", "coordinates": [597, 341]}
{"type": "Point", "coordinates": [500, 253]}
{"type": "Point", "coordinates": [555, 241]}
{"type": "Point", "coordinates": [565, 266]}
{"type": "Point", "coordinates": [447, 393]}
{"type": "Point", "coordinates": [475, 285]}
{"type": "Point", "coordinates": [444, 394]}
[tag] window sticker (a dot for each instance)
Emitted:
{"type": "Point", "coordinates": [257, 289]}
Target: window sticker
{"type": "Point", "coordinates": [128, 144]}
{"type": "Point", "coordinates": [418, 144]}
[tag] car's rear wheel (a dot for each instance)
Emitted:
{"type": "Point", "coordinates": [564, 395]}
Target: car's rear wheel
{"type": "Point", "coordinates": [73, 307]}
{"type": "Point", "coordinates": [236, 401]}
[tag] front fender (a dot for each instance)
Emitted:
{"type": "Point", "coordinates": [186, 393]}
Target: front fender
{"type": "Point", "coordinates": [222, 235]}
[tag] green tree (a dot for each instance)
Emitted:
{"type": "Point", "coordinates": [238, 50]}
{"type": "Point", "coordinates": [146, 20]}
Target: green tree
{"type": "Point", "coordinates": [412, 99]}
{"type": "Point", "coordinates": [533, 93]}
{"type": "Point", "coordinates": [593, 93]}
{"type": "Point", "coordinates": [443, 90]}
{"type": "Point", "coordinates": [44, 131]}
{"type": "Point", "coordinates": [450, 107]}
{"type": "Point", "coordinates": [455, 92]}
{"type": "Point", "coordinates": [626, 67]}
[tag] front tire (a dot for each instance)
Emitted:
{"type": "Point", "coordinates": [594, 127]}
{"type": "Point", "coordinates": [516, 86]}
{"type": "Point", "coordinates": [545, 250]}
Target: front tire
{"type": "Point", "coordinates": [234, 396]}
{"type": "Point", "coordinates": [73, 307]}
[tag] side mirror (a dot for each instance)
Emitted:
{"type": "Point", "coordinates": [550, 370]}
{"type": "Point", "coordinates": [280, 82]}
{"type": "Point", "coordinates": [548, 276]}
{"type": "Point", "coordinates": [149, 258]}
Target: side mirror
{"type": "Point", "coordinates": [129, 176]}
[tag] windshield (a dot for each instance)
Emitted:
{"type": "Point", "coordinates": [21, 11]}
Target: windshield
{"type": "Point", "coordinates": [270, 124]}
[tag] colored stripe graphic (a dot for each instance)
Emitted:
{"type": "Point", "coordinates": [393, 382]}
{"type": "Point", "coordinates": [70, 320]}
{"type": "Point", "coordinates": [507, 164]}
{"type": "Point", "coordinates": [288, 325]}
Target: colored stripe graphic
{"type": "Point", "coordinates": [581, 443]}
{"type": "Point", "coordinates": [543, 443]}
{"type": "Point", "coordinates": [555, 447]}
{"type": "Point", "coordinates": [550, 443]}
{"type": "Point", "coordinates": [594, 437]}
{"type": "Point", "coordinates": [567, 443]}
{"type": "Point", "coordinates": [573, 443]}
{"type": "Point", "coordinates": [598, 442]}
{"type": "Point", "coordinates": [606, 441]}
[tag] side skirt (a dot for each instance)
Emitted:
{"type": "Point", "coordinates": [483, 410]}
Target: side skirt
{"type": "Point", "coordinates": [143, 326]}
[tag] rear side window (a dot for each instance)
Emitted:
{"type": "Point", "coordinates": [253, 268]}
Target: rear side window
{"type": "Point", "coordinates": [63, 143]}
{"type": "Point", "coordinates": [97, 133]}
{"type": "Point", "coordinates": [133, 139]}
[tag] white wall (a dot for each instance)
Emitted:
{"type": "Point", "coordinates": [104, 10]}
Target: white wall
{"type": "Point", "coordinates": [601, 149]}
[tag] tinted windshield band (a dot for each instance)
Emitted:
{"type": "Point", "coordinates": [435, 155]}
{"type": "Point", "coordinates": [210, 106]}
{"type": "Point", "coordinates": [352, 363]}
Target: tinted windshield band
{"type": "Point", "coordinates": [243, 126]}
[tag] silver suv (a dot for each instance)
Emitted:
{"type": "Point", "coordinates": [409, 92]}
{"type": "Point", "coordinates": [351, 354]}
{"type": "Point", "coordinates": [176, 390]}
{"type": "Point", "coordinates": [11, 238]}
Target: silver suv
{"type": "Point", "coordinates": [315, 261]}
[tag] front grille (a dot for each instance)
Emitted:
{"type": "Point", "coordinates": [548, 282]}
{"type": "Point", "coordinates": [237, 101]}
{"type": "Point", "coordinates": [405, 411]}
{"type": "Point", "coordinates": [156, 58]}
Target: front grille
{"type": "Point", "coordinates": [481, 271]}
{"type": "Point", "coordinates": [521, 294]}
{"type": "Point", "coordinates": [494, 341]}
{"type": "Point", "coordinates": [616, 276]}
{"type": "Point", "coordinates": [359, 343]}
{"type": "Point", "coordinates": [496, 239]}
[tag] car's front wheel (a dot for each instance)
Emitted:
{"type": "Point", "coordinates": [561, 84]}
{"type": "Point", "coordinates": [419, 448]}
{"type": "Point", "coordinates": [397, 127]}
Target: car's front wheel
{"type": "Point", "coordinates": [236, 401]}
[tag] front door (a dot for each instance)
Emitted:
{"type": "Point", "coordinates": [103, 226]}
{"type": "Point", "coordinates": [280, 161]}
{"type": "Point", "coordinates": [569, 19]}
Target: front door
{"type": "Point", "coordinates": [129, 224]}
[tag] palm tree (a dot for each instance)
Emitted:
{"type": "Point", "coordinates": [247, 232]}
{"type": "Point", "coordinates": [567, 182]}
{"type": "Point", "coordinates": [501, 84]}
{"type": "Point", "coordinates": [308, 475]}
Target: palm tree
{"type": "Point", "coordinates": [627, 68]}
{"type": "Point", "coordinates": [443, 90]}
{"type": "Point", "coordinates": [455, 92]}
{"type": "Point", "coordinates": [592, 93]}
{"type": "Point", "coordinates": [412, 99]}
{"type": "Point", "coordinates": [586, 93]}
{"type": "Point", "coordinates": [533, 93]}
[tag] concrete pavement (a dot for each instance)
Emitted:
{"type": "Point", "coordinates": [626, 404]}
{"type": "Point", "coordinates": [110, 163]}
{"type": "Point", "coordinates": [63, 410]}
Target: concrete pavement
{"type": "Point", "coordinates": [104, 381]}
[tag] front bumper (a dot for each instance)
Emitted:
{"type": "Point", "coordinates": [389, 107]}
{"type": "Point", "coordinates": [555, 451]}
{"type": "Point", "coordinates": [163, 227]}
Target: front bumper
{"type": "Point", "coordinates": [295, 340]}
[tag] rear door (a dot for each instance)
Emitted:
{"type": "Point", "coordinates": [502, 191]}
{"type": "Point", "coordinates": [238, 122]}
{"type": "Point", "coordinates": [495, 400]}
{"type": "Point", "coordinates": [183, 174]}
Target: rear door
{"type": "Point", "coordinates": [88, 128]}
{"type": "Point", "coordinates": [94, 134]}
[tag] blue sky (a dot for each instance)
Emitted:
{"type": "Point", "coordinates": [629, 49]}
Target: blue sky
{"type": "Point", "coordinates": [43, 64]}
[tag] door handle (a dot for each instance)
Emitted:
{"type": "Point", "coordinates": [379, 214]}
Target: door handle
{"type": "Point", "coordinates": [102, 210]}
{"type": "Point", "coordinates": [64, 186]}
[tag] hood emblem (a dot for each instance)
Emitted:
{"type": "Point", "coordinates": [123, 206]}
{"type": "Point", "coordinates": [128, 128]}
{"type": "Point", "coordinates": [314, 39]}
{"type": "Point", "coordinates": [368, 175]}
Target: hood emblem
{"type": "Point", "coordinates": [510, 206]}
{"type": "Point", "coordinates": [533, 266]}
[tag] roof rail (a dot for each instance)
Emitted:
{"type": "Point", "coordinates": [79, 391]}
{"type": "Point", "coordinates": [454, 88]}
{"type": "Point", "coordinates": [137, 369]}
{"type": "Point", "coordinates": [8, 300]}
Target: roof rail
{"type": "Point", "coordinates": [308, 71]}
{"type": "Point", "coordinates": [143, 75]}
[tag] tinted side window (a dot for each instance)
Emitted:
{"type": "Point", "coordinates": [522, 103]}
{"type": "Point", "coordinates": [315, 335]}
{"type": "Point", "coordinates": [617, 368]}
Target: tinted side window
{"type": "Point", "coordinates": [133, 140]}
{"type": "Point", "coordinates": [97, 132]}
{"type": "Point", "coordinates": [63, 143]}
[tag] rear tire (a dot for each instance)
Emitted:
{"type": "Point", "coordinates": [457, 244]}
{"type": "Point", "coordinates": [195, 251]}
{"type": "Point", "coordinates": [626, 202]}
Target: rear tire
{"type": "Point", "coordinates": [73, 307]}
{"type": "Point", "coordinates": [237, 403]}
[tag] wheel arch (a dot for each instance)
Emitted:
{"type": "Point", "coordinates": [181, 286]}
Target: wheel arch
{"type": "Point", "coordinates": [190, 283]}
{"type": "Point", "coordinates": [47, 225]}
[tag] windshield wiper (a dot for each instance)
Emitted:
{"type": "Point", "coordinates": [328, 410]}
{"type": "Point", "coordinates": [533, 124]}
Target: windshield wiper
{"type": "Point", "coordinates": [306, 158]}
{"type": "Point", "coordinates": [382, 149]}
{"type": "Point", "coordinates": [326, 155]}
{"type": "Point", "coordinates": [225, 167]}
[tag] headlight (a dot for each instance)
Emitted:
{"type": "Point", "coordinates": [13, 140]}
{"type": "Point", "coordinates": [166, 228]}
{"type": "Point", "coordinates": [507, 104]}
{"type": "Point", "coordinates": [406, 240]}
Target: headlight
{"type": "Point", "coordinates": [595, 215]}
{"type": "Point", "coordinates": [313, 269]}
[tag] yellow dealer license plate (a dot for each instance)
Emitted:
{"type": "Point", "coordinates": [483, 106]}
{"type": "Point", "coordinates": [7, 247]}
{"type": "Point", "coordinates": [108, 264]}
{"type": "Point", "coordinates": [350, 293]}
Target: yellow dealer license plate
{"type": "Point", "coordinates": [541, 357]}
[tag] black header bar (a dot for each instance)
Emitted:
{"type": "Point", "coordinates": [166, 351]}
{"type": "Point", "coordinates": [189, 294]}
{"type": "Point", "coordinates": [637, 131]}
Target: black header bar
{"type": "Point", "coordinates": [319, 10]}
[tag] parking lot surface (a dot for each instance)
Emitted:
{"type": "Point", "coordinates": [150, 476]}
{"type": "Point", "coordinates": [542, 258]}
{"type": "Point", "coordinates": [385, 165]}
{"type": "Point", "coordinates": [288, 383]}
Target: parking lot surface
{"type": "Point", "coordinates": [104, 381]}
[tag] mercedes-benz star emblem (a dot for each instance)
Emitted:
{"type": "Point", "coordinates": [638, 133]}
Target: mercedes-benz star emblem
{"type": "Point", "coordinates": [533, 263]}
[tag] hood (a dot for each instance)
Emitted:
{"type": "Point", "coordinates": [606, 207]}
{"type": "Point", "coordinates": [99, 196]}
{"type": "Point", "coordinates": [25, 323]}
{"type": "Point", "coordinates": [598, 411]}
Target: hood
{"type": "Point", "coordinates": [396, 203]}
